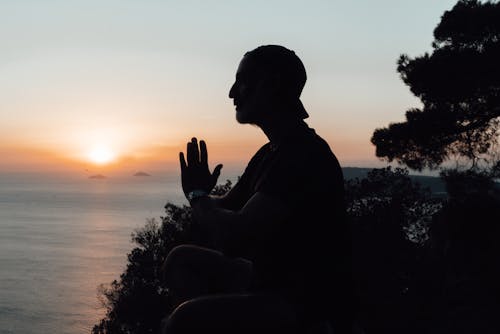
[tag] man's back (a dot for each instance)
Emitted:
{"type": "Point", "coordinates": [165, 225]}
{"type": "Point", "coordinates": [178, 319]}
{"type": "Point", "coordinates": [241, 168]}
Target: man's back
{"type": "Point", "coordinates": [304, 256]}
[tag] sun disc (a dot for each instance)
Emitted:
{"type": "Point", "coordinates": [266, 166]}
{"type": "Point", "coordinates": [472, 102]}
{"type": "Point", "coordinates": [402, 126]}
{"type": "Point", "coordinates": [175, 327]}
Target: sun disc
{"type": "Point", "coordinates": [101, 155]}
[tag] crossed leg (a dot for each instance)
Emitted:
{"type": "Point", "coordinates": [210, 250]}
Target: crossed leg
{"type": "Point", "coordinates": [209, 293]}
{"type": "Point", "coordinates": [233, 313]}
{"type": "Point", "coordinates": [191, 271]}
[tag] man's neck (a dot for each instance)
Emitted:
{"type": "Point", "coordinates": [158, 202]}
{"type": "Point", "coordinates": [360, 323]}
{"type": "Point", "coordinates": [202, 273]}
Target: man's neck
{"type": "Point", "coordinates": [276, 130]}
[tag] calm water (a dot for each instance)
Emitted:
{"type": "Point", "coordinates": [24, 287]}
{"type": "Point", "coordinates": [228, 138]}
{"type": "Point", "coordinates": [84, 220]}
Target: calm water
{"type": "Point", "coordinates": [61, 237]}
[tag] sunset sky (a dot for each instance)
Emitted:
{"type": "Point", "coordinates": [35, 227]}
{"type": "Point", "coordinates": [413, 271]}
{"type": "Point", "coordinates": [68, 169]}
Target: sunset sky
{"type": "Point", "coordinates": [84, 83]}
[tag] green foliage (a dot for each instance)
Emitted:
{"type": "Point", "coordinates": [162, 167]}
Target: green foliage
{"type": "Point", "coordinates": [452, 280]}
{"type": "Point", "coordinates": [470, 182]}
{"type": "Point", "coordinates": [138, 301]}
{"type": "Point", "coordinates": [463, 272]}
{"type": "Point", "coordinates": [388, 201]}
{"type": "Point", "coordinates": [459, 86]}
{"type": "Point", "coordinates": [390, 217]}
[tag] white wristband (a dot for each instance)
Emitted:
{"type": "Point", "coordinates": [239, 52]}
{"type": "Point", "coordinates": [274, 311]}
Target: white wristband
{"type": "Point", "coordinates": [197, 193]}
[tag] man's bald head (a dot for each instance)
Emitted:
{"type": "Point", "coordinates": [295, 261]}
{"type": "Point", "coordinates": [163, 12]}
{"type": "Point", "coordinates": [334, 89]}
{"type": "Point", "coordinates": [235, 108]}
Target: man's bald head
{"type": "Point", "coordinates": [282, 62]}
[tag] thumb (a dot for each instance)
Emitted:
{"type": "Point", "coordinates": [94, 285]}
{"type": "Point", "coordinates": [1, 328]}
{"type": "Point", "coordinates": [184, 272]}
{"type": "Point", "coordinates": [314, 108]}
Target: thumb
{"type": "Point", "coordinates": [216, 174]}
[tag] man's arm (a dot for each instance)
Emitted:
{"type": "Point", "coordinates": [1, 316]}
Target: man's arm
{"type": "Point", "coordinates": [234, 199]}
{"type": "Point", "coordinates": [228, 226]}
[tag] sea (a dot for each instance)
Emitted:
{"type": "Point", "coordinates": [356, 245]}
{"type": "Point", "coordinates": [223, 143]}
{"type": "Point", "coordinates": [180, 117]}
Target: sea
{"type": "Point", "coordinates": [63, 236]}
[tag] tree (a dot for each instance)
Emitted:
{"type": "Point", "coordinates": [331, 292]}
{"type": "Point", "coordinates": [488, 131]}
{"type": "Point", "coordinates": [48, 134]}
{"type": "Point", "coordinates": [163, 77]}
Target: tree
{"type": "Point", "coordinates": [389, 215]}
{"type": "Point", "coordinates": [389, 203]}
{"type": "Point", "coordinates": [138, 301]}
{"type": "Point", "coordinates": [459, 87]}
{"type": "Point", "coordinates": [458, 84]}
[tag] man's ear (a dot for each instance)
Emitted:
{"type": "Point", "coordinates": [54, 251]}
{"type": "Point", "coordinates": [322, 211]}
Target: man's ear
{"type": "Point", "coordinates": [274, 84]}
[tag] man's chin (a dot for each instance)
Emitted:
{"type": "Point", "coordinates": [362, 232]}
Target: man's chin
{"type": "Point", "coordinates": [241, 117]}
{"type": "Point", "coordinates": [247, 115]}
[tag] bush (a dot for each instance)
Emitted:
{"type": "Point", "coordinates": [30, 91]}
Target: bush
{"type": "Point", "coordinates": [390, 217]}
{"type": "Point", "coordinates": [138, 301]}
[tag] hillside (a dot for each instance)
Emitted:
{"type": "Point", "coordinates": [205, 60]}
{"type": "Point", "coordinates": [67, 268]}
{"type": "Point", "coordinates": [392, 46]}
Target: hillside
{"type": "Point", "coordinates": [435, 184]}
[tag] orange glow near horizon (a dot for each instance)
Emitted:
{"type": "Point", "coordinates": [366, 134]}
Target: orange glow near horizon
{"type": "Point", "coordinates": [120, 154]}
{"type": "Point", "coordinates": [104, 146]}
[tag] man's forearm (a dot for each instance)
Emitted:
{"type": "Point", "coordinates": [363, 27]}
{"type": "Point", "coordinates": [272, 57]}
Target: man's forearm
{"type": "Point", "coordinates": [207, 211]}
{"type": "Point", "coordinates": [223, 223]}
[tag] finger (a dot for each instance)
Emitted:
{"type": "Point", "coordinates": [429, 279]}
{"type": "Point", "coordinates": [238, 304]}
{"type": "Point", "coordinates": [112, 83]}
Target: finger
{"type": "Point", "coordinates": [203, 153]}
{"type": "Point", "coordinates": [191, 155]}
{"type": "Point", "coordinates": [196, 151]}
{"type": "Point", "coordinates": [182, 161]}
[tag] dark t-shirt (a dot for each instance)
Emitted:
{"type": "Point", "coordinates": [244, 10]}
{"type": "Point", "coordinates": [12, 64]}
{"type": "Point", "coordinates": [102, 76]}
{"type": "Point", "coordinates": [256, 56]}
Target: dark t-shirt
{"type": "Point", "coordinates": [305, 258]}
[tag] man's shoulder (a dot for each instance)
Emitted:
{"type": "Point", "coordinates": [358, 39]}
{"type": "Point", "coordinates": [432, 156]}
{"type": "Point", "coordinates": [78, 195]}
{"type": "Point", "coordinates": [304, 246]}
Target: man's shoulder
{"type": "Point", "coordinates": [261, 152]}
{"type": "Point", "coordinates": [311, 146]}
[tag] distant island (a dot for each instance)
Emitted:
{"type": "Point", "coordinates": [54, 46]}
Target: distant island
{"type": "Point", "coordinates": [141, 174]}
{"type": "Point", "coordinates": [98, 176]}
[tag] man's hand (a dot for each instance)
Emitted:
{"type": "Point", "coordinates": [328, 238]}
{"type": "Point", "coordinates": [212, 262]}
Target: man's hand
{"type": "Point", "coordinates": [195, 174]}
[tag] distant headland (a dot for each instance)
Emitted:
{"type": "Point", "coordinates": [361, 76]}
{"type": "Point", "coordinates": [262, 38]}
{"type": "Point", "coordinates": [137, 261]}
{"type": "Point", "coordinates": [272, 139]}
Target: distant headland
{"type": "Point", "coordinates": [98, 176]}
{"type": "Point", "coordinates": [142, 174]}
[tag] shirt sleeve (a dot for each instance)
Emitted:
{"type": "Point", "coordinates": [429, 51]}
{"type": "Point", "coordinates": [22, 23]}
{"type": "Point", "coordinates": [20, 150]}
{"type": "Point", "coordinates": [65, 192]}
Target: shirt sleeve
{"type": "Point", "coordinates": [241, 192]}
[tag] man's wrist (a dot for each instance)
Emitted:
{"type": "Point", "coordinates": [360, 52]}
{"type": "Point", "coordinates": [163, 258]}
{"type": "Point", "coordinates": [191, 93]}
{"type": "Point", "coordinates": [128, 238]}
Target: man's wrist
{"type": "Point", "coordinates": [196, 194]}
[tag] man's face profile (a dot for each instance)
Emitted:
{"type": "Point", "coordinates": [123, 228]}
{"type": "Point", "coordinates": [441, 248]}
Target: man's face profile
{"type": "Point", "coordinates": [248, 92]}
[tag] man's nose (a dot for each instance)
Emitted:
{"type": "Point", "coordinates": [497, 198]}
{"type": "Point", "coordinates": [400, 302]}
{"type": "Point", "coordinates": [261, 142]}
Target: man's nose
{"type": "Point", "coordinates": [231, 91]}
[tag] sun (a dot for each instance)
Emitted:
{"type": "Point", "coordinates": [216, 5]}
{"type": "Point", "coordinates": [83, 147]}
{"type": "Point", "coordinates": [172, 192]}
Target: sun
{"type": "Point", "coordinates": [101, 155]}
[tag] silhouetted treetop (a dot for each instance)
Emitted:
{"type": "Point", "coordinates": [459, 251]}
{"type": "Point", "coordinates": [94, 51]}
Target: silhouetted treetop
{"type": "Point", "coordinates": [459, 86]}
{"type": "Point", "coordinates": [469, 24]}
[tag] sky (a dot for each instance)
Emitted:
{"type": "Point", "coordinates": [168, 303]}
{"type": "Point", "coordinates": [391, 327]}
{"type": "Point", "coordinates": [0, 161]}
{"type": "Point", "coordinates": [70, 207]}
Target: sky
{"type": "Point", "coordinates": [131, 81]}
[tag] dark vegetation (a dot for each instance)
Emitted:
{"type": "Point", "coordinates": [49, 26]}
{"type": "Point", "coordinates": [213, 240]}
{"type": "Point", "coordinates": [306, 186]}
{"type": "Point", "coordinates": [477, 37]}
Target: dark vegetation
{"type": "Point", "coordinates": [421, 263]}
{"type": "Point", "coordinates": [458, 84]}
{"type": "Point", "coordinates": [418, 260]}
{"type": "Point", "coordinates": [138, 301]}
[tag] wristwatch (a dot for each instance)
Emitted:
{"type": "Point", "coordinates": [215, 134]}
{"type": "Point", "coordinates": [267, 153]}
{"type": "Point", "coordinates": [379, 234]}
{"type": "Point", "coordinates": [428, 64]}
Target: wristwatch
{"type": "Point", "coordinates": [197, 193]}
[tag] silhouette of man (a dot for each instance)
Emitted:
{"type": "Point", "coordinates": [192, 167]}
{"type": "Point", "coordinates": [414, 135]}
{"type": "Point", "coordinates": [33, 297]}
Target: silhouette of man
{"type": "Point", "coordinates": [281, 260]}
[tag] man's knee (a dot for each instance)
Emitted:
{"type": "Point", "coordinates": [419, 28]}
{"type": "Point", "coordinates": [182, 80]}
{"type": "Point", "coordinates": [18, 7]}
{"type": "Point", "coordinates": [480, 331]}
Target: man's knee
{"type": "Point", "coordinates": [175, 261]}
{"type": "Point", "coordinates": [180, 252]}
{"type": "Point", "coordinates": [240, 314]}
{"type": "Point", "coordinates": [183, 319]}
